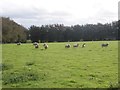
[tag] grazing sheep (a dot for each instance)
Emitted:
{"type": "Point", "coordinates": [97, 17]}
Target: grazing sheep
{"type": "Point", "coordinates": [45, 45]}
{"type": "Point", "coordinates": [36, 46]}
{"type": "Point", "coordinates": [83, 45]}
{"type": "Point", "coordinates": [105, 45]}
{"type": "Point", "coordinates": [35, 43]}
{"type": "Point", "coordinates": [19, 43]}
{"type": "Point", "coordinates": [67, 46]}
{"type": "Point", "coordinates": [76, 45]}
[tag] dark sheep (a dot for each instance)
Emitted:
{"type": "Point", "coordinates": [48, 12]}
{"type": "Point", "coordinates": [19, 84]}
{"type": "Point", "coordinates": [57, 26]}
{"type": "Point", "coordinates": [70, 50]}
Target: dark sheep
{"type": "Point", "coordinates": [105, 45]}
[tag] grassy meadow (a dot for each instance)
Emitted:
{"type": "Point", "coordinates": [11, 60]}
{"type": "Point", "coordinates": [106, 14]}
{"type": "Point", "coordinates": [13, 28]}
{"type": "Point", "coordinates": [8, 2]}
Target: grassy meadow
{"type": "Point", "coordinates": [60, 67]}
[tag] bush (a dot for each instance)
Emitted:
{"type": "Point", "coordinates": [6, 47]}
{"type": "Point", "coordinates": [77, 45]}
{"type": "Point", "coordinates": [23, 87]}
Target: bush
{"type": "Point", "coordinates": [28, 41]}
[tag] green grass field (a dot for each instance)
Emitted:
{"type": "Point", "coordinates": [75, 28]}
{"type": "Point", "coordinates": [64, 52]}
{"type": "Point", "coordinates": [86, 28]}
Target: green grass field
{"type": "Point", "coordinates": [60, 67]}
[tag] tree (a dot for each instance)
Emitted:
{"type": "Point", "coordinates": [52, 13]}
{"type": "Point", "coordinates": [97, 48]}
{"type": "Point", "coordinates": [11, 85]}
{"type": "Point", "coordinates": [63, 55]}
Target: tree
{"type": "Point", "coordinates": [12, 32]}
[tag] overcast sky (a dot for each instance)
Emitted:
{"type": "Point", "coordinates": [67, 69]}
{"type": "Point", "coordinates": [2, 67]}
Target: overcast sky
{"type": "Point", "coordinates": [67, 12]}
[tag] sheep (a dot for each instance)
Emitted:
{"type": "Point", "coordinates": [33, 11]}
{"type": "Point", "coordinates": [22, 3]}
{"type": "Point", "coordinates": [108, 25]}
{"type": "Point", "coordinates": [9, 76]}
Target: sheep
{"type": "Point", "coordinates": [36, 46]}
{"type": "Point", "coordinates": [19, 43]}
{"type": "Point", "coordinates": [105, 45]}
{"type": "Point", "coordinates": [76, 45]}
{"type": "Point", "coordinates": [83, 45]}
{"type": "Point", "coordinates": [45, 45]}
{"type": "Point", "coordinates": [67, 46]}
{"type": "Point", "coordinates": [35, 43]}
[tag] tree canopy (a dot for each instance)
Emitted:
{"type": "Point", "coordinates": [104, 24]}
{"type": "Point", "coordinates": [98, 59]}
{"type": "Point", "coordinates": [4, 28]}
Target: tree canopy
{"type": "Point", "coordinates": [13, 32]}
{"type": "Point", "coordinates": [88, 32]}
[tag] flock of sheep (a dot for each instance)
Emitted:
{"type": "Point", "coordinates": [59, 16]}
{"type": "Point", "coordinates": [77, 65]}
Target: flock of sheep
{"type": "Point", "coordinates": [75, 45]}
{"type": "Point", "coordinates": [84, 44]}
{"type": "Point", "coordinates": [36, 45]}
{"type": "Point", "coordinates": [45, 45]}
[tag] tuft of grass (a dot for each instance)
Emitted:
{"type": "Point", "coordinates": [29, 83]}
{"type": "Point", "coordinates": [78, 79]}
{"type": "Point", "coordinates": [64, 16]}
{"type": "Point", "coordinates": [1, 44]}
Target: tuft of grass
{"type": "Point", "coordinates": [92, 75]}
{"type": "Point", "coordinates": [113, 85]}
{"type": "Point", "coordinates": [29, 63]}
{"type": "Point", "coordinates": [72, 81]}
{"type": "Point", "coordinates": [5, 66]}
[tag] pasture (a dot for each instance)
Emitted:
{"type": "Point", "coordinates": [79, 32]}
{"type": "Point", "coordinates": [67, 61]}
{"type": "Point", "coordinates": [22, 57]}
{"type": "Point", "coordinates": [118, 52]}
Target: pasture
{"type": "Point", "coordinates": [60, 67]}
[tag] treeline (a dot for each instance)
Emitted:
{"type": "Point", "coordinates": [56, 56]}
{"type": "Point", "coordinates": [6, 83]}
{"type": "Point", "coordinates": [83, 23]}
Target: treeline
{"type": "Point", "coordinates": [13, 32]}
{"type": "Point", "coordinates": [61, 33]}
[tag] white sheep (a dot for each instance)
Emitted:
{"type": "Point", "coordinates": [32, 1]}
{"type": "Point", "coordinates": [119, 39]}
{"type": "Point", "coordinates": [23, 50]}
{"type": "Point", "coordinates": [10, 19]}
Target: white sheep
{"type": "Point", "coordinates": [36, 45]}
{"type": "Point", "coordinates": [45, 45]}
{"type": "Point", "coordinates": [19, 43]}
{"type": "Point", "coordinates": [67, 46]}
{"type": "Point", "coordinates": [76, 45]}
